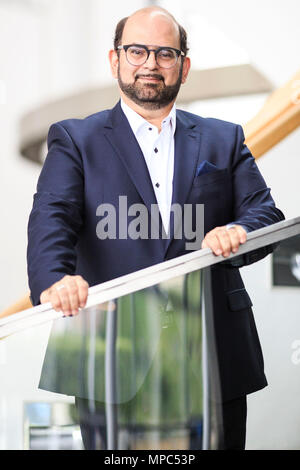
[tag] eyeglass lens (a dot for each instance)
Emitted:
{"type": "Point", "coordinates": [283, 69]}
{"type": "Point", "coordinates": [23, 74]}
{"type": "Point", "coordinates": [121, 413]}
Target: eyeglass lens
{"type": "Point", "coordinates": [138, 55]}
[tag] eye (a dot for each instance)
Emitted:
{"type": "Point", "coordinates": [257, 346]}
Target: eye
{"type": "Point", "coordinates": [136, 51]}
{"type": "Point", "coordinates": [166, 54]}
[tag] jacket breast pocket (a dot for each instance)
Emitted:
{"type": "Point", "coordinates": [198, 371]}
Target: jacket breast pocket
{"type": "Point", "coordinates": [211, 177]}
{"type": "Point", "coordinates": [238, 299]}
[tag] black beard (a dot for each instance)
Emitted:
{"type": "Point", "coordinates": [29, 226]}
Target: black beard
{"type": "Point", "coordinates": [150, 95]}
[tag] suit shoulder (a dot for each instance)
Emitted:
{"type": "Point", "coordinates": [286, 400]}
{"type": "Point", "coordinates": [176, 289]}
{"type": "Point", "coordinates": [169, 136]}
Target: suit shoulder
{"type": "Point", "coordinates": [77, 126]}
{"type": "Point", "coordinates": [209, 123]}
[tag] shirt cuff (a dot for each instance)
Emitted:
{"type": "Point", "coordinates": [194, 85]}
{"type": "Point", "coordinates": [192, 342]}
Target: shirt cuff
{"type": "Point", "coordinates": [233, 225]}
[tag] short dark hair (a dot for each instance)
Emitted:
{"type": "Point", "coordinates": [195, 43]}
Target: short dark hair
{"type": "Point", "coordinates": [120, 28]}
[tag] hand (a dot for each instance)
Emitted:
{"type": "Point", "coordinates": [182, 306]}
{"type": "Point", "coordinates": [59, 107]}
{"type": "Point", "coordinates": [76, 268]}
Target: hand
{"type": "Point", "coordinates": [67, 295]}
{"type": "Point", "coordinates": [224, 240]}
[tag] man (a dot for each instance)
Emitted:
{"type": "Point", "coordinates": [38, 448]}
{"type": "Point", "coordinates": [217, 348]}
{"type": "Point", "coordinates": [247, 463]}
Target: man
{"type": "Point", "coordinates": [147, 150]}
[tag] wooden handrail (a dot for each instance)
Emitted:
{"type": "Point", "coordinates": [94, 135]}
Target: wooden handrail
{"type": "Point", "coordinates": [279, 116]}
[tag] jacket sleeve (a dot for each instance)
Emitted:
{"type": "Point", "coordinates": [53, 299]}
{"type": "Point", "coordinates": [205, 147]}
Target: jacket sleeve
{"type": "Point", "coordinates": [254, 206]}
{"type": "Point", "coordinates": [56, 216]}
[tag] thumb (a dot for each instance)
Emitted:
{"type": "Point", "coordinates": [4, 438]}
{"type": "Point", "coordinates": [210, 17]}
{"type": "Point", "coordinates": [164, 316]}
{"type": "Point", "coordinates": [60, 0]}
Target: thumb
{"type": "Point", "coordinates": [204, 244]}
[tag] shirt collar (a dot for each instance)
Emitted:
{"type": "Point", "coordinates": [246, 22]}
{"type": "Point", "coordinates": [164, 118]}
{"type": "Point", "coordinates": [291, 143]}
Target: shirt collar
{"type": "Point", "coordinates": [137, 122]}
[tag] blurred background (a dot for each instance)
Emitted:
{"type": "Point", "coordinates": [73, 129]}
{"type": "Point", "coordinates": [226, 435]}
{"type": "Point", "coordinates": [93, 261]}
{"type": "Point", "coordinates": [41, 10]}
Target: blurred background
{"type": "Point", "coordinates": [54, 65]}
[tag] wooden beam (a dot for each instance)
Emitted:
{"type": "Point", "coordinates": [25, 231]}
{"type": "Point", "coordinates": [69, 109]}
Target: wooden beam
{"type": "Point", "coordinates": [22, 304]}
{"type": "Point", "coordinates": [279, 116]}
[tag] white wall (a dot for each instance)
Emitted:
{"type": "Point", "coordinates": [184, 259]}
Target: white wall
{"type": "Point", "coordinates": [57, 47]}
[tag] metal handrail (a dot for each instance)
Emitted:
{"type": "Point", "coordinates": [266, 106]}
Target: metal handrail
{"type": "Point", "coordinates": [251, 251]}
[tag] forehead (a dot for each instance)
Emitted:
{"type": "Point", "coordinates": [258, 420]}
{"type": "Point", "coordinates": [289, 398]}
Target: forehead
{"type": "Point", "coordinates": [155, 29]}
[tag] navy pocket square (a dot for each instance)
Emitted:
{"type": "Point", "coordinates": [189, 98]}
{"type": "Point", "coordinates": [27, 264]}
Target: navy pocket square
{"type": "Point", "coordinates": [205, 167]}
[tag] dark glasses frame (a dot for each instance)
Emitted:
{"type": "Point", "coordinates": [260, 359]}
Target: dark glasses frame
{"type": "Point", "coordinates": [156, 51]}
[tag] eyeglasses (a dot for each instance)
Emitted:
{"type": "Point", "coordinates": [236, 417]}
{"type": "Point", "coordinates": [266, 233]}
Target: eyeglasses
{"type": "Point", "coordinates": [137, 54]}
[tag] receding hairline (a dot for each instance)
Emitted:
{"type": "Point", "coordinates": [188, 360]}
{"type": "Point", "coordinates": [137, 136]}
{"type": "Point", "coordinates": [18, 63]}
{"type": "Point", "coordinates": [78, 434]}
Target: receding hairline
{"type": "Point", "coordinates": [154, 11]}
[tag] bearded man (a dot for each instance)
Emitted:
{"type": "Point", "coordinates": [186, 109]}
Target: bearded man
{"type": "Point", "coordinates": [151, 152]}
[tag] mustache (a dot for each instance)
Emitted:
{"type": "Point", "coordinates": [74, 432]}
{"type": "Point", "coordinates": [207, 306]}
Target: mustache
{"type": "Point", "coordinates": [150, 75]}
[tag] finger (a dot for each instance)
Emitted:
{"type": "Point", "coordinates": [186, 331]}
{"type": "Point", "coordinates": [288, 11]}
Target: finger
{"type": "Point", "coordinates": [55, 300]}
{"type": "Point", "coordinates": [83, 288]}
{"type": "Point", "coordinates": [224, 241]}
{"type": "Point", "coordinates": [211, 241]}
{"type": "Point", "coordinates": [62, 292]}
{"type": "Point", "coordinates": [50, 295]}
{"type": "Point", "coordinates": [242, 233]}
{"type": "Point", "coordinates": [204, 243]}
{"type": "Point", "coordinates": [234, 239]}
{"type": "Point", "coordinates": [72, 290]}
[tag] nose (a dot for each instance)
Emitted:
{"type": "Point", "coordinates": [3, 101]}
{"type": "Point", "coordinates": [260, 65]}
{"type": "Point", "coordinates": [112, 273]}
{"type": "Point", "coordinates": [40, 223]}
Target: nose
{"type": "Point", "coordinates": [151, 61]}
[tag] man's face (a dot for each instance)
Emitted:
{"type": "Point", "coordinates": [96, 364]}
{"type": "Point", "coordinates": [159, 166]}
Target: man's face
{"type": "Point", "coordinates": [149, 85]}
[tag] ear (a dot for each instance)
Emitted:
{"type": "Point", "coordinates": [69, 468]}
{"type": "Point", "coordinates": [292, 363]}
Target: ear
{"type": "Point", "coordinates": [185, 69]}
{"type": "Point", "coordinates": [114, 62]}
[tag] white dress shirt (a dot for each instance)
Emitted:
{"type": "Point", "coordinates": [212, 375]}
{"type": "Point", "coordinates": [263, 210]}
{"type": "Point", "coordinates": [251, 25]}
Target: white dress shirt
{"type": "Point", "coordinates": [158, 151]}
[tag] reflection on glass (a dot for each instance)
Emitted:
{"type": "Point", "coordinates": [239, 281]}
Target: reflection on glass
{"type": "Point", "coordinates": [134, 366]}
{"type": "Point", "coordinates": [51, 426]}
{"type": "Point", "coordinates": [286, 263]}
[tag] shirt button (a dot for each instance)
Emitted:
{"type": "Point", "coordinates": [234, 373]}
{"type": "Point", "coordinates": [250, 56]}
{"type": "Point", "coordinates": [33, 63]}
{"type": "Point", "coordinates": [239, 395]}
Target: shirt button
{"type": "Point", "coordinates": [150, 128]}
{"type": "Point", "coordinates": [157, 185]}
{"type": "Point", "coordinates": [156, 150]}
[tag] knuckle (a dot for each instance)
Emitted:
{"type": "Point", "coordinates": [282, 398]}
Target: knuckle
{"type": "Point", "coordinates": [65, 301]}
{"type": "Point", "coordinates": [73, 289]}
{"type": "Point", "coordinates": [53, 296]}
{"type": "Point", "coordinates": [74, 301]}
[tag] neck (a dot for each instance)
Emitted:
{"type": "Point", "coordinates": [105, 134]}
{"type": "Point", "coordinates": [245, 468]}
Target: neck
{"type": "Point", "coordinates": [154, 116]}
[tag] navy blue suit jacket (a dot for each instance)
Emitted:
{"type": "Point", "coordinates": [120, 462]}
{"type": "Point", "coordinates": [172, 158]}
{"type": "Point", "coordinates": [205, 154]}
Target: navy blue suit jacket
{"type": "Point", "coordinates": [97, 159]}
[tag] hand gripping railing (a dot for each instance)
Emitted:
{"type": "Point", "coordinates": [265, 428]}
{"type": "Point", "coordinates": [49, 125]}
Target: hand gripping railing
{"type": "Point", "coordinates": [259, 243]}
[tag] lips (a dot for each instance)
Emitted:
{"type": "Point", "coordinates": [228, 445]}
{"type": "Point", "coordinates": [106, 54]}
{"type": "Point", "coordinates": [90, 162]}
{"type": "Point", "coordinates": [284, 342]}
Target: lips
{"type": "Point", "coordinates": [149, 79]}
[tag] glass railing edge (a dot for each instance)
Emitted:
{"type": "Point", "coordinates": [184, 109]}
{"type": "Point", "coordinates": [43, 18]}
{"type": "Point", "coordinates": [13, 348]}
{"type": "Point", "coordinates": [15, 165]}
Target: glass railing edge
{"type": "Point", "coordinates": [152, 275]}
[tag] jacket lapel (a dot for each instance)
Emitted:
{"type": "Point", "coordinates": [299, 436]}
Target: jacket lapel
{"type": "Point", "coordinates": [122, 139]}
{"type": "Point", "coordinates": [187, 147]}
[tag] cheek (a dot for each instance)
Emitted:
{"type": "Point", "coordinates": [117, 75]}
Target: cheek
{"type": "Point", "coordinates": [172, 77]}
{"type": "Point", "coordinates": [127, 73]}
